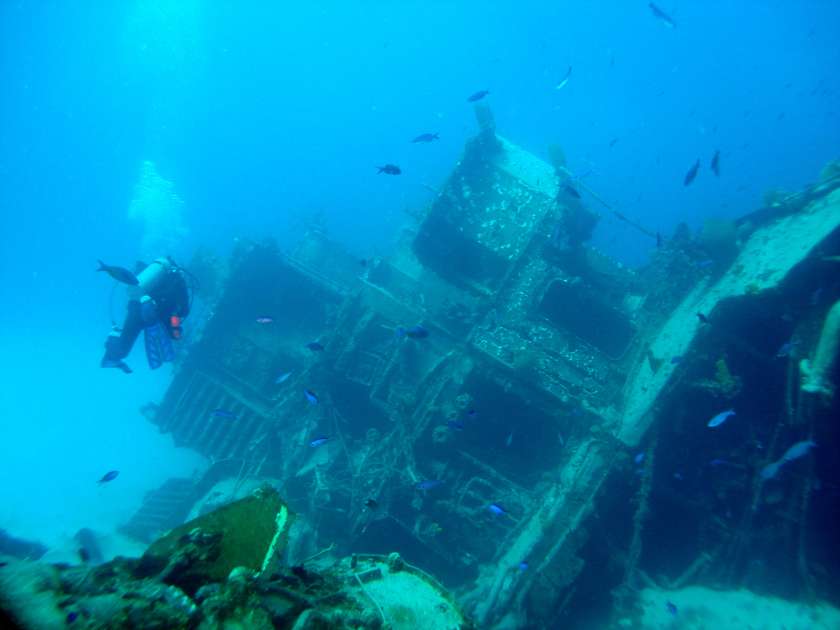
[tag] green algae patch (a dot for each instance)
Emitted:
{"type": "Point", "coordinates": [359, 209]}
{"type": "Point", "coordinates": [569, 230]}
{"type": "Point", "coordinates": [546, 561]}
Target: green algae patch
{"type": "Point", "coordinates": [246, 533]}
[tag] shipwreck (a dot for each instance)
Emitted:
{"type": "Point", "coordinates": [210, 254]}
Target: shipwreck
{"type": "Point", "coordinates": [543, 450]}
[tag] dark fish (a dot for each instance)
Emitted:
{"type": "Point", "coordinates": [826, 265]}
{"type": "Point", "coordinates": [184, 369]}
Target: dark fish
{"type": "Point", "coordinates": [472, 413]}
{"type": "Point", "coordinates": [671, 607]}
{"type": "Point", "coordinates": [3, 564]}
{"type": "Point", "coordinates": [109, 476]}
{"type": "Point", "coordinates": [455, 424]}
{"type": "Point", "coordinates": [692, 173]}
{"type": "Point", "coordinates": [428, 484]}
{"type": "Point", "coordinates": [363, 262]}
{"type": "Point", "coordinates": [715, 164]}
{"type": "Point", "coordinates": [319, 441]}
{"type": "Point", "coordinates": [702, 264]}
{"type": "Point", "coordinates": [89, 549]}
{"type": "Point", "coordinates": [612, 142]}
{"type": "Point", "coordinates": [389, 169]}
{"type": "Point", "coordinates": [315, 346]}
{"type": "Point", "coordinates": [414, 332]}
{"type": "Point", "coordinates": [426, 137]}
{"type": "Point", "coordinates": [675, 360]}
{"type": "Point", "coordinates": [658, 240]}
{"type": "Point", "coordinates": [569, 190]}
{"type": "Point", "coordinates": [478, 96]}
{"type": "Point", "coordinates": [72, 616]}
{"type": "Point", "coordinates": [120, 274]}
{"type": "Point", "coordinates": [311, 396]}
{"type": "Point", "coordinates": [660, 15]}
{"type": "Point", "coordinates": [703, 319]}
{"type": "Point", "coordinates": [371, 504]}
{"type": "Point", "coordinates": [223, 413]}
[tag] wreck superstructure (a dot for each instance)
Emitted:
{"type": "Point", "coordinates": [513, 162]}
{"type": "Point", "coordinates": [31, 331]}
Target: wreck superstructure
{"type": "Point", "coordinates": [545, 362]}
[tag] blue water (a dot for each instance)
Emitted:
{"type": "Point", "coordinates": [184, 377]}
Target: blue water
{"type": "Point", "coordinates": [261, 116]}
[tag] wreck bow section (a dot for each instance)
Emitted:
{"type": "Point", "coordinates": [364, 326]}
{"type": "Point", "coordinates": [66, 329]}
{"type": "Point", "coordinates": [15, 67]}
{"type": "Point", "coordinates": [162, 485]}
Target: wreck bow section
{"type": "Point", "coordinates": [479, 385]}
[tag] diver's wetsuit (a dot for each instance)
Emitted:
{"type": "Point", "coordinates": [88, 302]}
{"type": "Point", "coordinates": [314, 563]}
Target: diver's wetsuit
{"type": "Point", "coordinates": [168, 297]}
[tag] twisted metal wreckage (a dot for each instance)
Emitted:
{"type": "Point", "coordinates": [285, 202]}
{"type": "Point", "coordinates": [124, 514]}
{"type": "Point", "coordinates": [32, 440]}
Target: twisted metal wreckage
{"type": "Point", "coordinates": [555, 361]}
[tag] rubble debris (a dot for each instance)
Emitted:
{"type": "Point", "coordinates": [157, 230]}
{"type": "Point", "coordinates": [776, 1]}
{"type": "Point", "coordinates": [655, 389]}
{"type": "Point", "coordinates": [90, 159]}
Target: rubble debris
{"type": "Point", "coordinates": [215, 572]}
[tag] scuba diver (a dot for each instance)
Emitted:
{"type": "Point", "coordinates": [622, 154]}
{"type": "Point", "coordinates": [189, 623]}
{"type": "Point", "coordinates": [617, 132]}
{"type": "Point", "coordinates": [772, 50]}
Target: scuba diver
{"type": "Point", "coordinates": [159, 299]}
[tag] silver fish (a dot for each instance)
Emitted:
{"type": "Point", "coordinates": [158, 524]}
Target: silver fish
{"type": "Point", "coordinates": [564, 80]}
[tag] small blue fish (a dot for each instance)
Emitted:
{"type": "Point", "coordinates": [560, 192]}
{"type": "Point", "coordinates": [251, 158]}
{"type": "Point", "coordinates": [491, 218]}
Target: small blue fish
{"type": "Point", "coordinates": [472, 413]}
{"type": "Point", "coordinates": [675, 360]}
{"type": "Point", "coordinates": [816, 296]}
{"type": "Point", "coordinates": [319, 441]}
{"type": "Point", "coordinates": [523, 566]}
{"type": "Point", "coordinates": [671, 608]}
{"type": "Point", "coordinates": [315, 346]}
{"type": "Point", "coordinates": [496, 509]}
{"type": "Point", "coordinates": [311, 396]}
{"type": "Point", "coordinates": [678, 476]}
{"type": "Point", "coordinates": [428, 484]}
{"type": "Point", "coordinates": [704, 263]}
{"type": "Point", "coordinates": [109, 476]}
{"type": "Point", "coordinates": [414, 332]}
{"type": "Point", "coordinates": [282, 378]}
{"type": "Point", "coordinates": [426, 137]}
{"type": "Point", "coordinates": [455, 425]}
{"type": "Point", "coordinates": [72, 616]}
{"type": "Point", "coordinates": [477, 96]}
{"type": "Point", "coordinates": [639, 458]}
{"type": "Point", "coordinates": [663, 17]}
{"type": "Point", "coordinates": [720, 418]}
{"type": "Point", "coordinates": [771, 470]}
{"type": "Point", "coordinates": [223, 413]}
{"type": "Point", "coordinates": [798, 450]}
